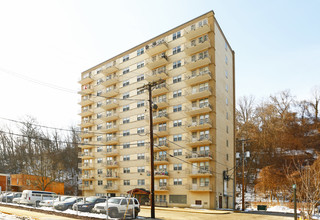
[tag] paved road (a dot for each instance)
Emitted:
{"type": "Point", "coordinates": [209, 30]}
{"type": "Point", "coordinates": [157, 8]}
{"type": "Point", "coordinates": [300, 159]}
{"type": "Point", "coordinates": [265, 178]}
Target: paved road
{"type": "Point", "coordinates": [172, 215]}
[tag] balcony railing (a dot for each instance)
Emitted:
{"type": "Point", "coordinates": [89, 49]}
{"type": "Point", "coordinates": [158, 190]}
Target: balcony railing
{"type": "Point", "coordinates": [112, 176]}
{"type": "Point", "coordinates": [112, 163]}
{"type": "Point", "coordinates": [196, 46]}
{"type": "Point", "coordinates": [199, 109]}
{"type": "Point", "coordinates": [200, 125]}
{"type": "Point", "coordinates": [161, 173]}
{"type": "Point", "coordinates": [86, 79]}
{"type": "Point", "coordinates": [196, 30]}
{"type": "Point", "coordinates": [199, 155]}
{"type": "Point", "coordinates": [110, 104]}
{"type": "Point", "coordinates": [198, 78]}
{"type": "Point", "coordinates": [110, 68]}
{"type": "Point", "coordinates": [202, 188]}
{"type": "Point", "coordinates": [206, 171]}
{"type": "Point", "coordinates": [160, 89]}
{"type": "Point", "coordinates": [205, 139]}
{"type": "Point", "coordinates": [155, 75]}
{"type": "Point", "coordinates": [157, 61]}
{"type": "Point", "coordinates": [198, 92]}
{"type": "Point", "coordinates": [111, 187]}
{"type": "Point", "coordinates": [85, 154]}
{"type": "Point", "coordinates": [199, 61]}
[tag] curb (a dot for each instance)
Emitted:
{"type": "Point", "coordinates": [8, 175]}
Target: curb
{"type": "Point", "coordinates": [189, 210]}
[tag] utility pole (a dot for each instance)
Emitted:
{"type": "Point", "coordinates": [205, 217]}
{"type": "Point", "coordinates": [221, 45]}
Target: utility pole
{"type": "Point", "coordinates": [149, 87]}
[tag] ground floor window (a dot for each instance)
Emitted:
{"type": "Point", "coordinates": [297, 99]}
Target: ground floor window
{"type": "Point", "coordinates": [181, 199]}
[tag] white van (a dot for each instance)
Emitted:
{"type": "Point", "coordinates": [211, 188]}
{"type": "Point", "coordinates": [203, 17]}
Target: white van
{"type": "Point", "coordinates": [34, 197]}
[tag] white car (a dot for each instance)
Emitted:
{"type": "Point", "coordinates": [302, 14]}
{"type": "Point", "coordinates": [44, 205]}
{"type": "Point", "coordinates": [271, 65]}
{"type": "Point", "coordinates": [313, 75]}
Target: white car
{"type": "Point", "coordinates": [50, 202]}
{"type": "Point", "coordinates": [118, 206]}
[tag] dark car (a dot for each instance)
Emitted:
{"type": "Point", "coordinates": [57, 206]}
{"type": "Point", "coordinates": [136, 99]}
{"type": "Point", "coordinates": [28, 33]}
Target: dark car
{"type": "Point", "coordinates": [66, 204]}
{"type": "Point", "coordinates": [88, 204]}
{"type": "Point", "coordinates": [10, 196]}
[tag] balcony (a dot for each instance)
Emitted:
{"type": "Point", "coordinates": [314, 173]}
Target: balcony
{"type": "Point", "coordinates": [110, 104]}
{"type": "Point", "coordinates": [110, 93]}
{"type": "Point", "coordinates": [112, 164]}
{"type": "Point", "coordinates": [160, 132]}
{"type": "Point", "coordinates": [195, 32]}
{"type": "Point", "coordinates": [200, 141]}
{"type": "Point", "coordinates": [198, 93]}
{"type": "Point", "coordinates": [201, 125]}
{"type": "Point", "coordinates": [86, 166]}
{"type": "Point", "coordinates": [201, 77]}
{"type": "Point", "coordinates": [86, 90]}
{"type": "Point", "coordinates": [161, 174]}
{"type": "Point", "coordinates": [85, 155]}
{"type": "Point", "coordinates": [159, 118]}
{"type": "Point", "coordinates": [111, 188]}
{"type": "Point", "coordinates": [110, 81]}
{"type": "Point", "coordinates": [201, 172]}
{"type": "Point", "coordinates": [111, 176]}
{"type": "Point", "coordinates": [110, 129]}
{"type": "Point", "coordinates": [157, 61]}
{"type": "Point", "coordinates": [156, 75]}
{"type": "Point", "coordinates": [111, 153]}
{"type": "Point", "coordinates": [86, 112]}
{"type": "Point", "coordinates": [201, 109]}
{"type": "Point", "coordinates": [161, 103]}
{"type": "Point", "coordinates": [110, 140]}
{"type": "Point", "coordinates": [192, 64]}
{"type": "Point", "coordinates": [86, 177]}
{"type": "Point", "coordinates": [87, 187]}
{"type": "Point", "coordinates": [192, 47]}
{"type": "Point", "coordinates": [156, 47]}
{"type": "Point", "coordinates": [199, 188]}
{"type": "Point", "coordinates": [85, 80]}
{"type": "Point", "coordinates": [161, 188]}
{"type": "Point", "coordinates": [161, 146]}
{"type": "Point", "coordinates": [199, 156]}
{"type": "Point", "coordinates": [109, 117]}
{"type": "Point", "coordinates": [110, 68]}
{"type": "Point", "coordinates": [85, 102]}
{"type": "Point", "coordinates": [160, 89]}
{"type": "Point", "coordinates": [86, 134]}
{"type": "Point", "coordinates": [161, 160]}
{"type": "Point", "coordinates": [86, 145]}
{"type": "Point", "coordinates": [86, 123]}
{"type": "Point", "coordinates": [99, 86]}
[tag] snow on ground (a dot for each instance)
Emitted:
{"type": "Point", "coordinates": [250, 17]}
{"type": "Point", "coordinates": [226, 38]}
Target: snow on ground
{"type": "Point", "coordinates": [10, 217]}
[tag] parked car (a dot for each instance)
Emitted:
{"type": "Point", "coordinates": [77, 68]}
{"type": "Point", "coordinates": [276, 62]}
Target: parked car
{"type": "Point", "coordinates": [118, 206]}
{"type": "Point", "coordinates": [50, 202]}
{"type": "Point", "coordinates": [66, 204]}
{"type": "Point", "coordinates": [33, 197]}
{"type": "Point", "coordinates": [4, 194]}
{"type": "Point", "coordinates": [9, 197]}
{"type": "Point", "coordinates": [88, 204]}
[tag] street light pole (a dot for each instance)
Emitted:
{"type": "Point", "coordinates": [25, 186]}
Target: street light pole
{"type": "Point", "coordinates": [243, 158]}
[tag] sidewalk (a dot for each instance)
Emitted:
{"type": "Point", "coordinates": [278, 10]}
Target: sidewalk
{"type": "Point", "coordinates": [34, 215]}
{"type": "Point", "coordinates": [190, 210]}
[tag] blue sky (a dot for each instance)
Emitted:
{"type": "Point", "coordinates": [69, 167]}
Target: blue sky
{"type": "Point", "coordinates": [276, 44]}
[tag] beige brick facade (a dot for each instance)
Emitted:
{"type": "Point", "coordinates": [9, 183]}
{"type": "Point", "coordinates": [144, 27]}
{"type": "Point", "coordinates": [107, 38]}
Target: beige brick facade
{"type": "Point", "coordinates": [193, 124]}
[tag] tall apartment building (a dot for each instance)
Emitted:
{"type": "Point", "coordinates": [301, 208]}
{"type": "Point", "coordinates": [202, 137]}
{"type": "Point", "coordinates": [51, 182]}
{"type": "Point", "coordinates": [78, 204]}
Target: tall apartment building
{"type": "Point", "coordinates": [193, 123]}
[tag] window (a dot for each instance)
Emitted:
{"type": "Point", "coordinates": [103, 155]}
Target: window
{"type": "Point", "coordinates": [140, 91]}
{"type": "Point", "coordinates": [125, 70]}
{"type": "Point", "coordinates": [99, 81]}
{"type": "Point", "coordinates": [126, 170]}
{"type": "Point", "coordinates": [140, 104]}
{"type": "Point", "coordinates": [226, 101]}
{"type": "Point", "coordinates": [177, 93]}
{"type": "Point", "coordinates": [100, 182]}
{"type": "Point", "coordinates": [99, 138]}
{"type": "Point", "coordinates": [177, 108]}
{"type": "Point", "coordinates": [177, 181]}
{"type": "Point", "coordinates": [140, 130]}
{"type": "Point", "coordinates": [227, 88]}
{"type": "Point", "coordinates": [176, 35]}
{"type": "Point", "coordinates": [99, 160]}
{"type": "Point", "coordinates": [141, 182]}
{"type": "Point", "coordinates": [99, 93]}
{"type": "Point", "coordinates": [140, 143]}
{"type": "Point", "coordinates": [177, 152]}
{"type": "Point", "coordinates": [99, 115]}
{"type": "Point", "coordinates": [140, 77]}
{"type": "Point", "coordinates": [140, 117]}
{"type": "Point", "coordinates": [140, 51]}
{"type": "Point", "coordinates": [125, 83]}
{"type": "Point", "coordinates": [126, 108]}
{"type": "Point", "coordinates": [140, 156]}
{"type": "Point", "coordinates": [226, 60]}
{"type": "Point", "coordinates": [126, 133]}
{"type": "Point", "coordinates": [126, 157]}
{"type": "Point", "coordinates": [141, 169]}
{"type": "Point", "coordinates": [227, 115]}
{"type": "Point", "coordinates": [99, 171]}
{"type": "Point", "coordinates": [179, 199]}
{"type": "Point", "coordinates": [126, 120]}
{"type": "Point", "coordinates": [226, 45]}
{"type": "Point", "coordinates": [177, 166]}
{"type": "Point", "coordinates": [99, 127]}
{"type": "Point", "coordinates": [125, 58]}
{"type": "Point", "coordinates": [177, 123]}
{"type": "Point", "coordinates": [177, 137]}
{"type": "Point", "coordinates": [226, 74]}
{"type": "Point", "coordinates": [227, 157]}
{"type": "Point", "coordinates": [227, 143]}
{"type": "Point", "coordinates": [177, 79]}
{"type": "Point", "coordinates": [125, 95]}
{"type": "Point", "coordinates": [126, 145]}
{"type": "Point", "coordinates": [109, 148]}
{"type": "Point", "coordinates": [176, 64]}
{"type": "Point", "coordinates": [126, 182]}
{"type": "Point", "coordinates": [99, 149]}
{"type": "Point", "coordinates": [227, 129]}
{"type": "Point", "coordinates": [176, 50]}
{"type": "Point", "coordinates": [140, 64]}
